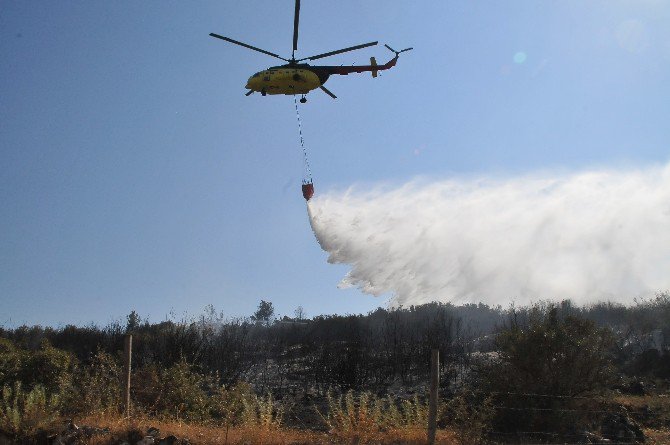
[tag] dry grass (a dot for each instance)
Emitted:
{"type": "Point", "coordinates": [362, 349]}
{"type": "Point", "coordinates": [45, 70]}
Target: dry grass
{"type": "Point", "coordinates": [640, 401]}
{"type": "Point", "coordinates": [657, 437]}
{"type": "Point", "coordinates": [200, 434]}
{"type": "Point", "coordinates": [652, 410]}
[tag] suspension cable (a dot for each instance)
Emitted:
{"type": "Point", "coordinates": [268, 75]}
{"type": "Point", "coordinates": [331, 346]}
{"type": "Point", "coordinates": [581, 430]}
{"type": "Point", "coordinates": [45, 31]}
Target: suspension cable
{"type": "Point", "coordinates": [308, 171]}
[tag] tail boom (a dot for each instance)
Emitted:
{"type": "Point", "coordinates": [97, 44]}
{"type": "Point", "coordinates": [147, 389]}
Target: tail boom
{"type": "Point", "coordinates": [373, 67]}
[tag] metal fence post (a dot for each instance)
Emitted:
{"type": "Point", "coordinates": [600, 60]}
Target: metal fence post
{"type": "Point", "coordinates": [127, 364]}
{"type": "Point", "coordinates": [434, 385]}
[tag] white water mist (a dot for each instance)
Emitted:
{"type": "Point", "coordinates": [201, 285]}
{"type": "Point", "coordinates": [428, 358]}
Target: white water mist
{"type": "Point", "coordinates": [589, 236]}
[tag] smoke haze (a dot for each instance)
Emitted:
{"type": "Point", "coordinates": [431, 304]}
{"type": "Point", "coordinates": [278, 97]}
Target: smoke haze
{"type": "Point", "coordinates": [589, 236]}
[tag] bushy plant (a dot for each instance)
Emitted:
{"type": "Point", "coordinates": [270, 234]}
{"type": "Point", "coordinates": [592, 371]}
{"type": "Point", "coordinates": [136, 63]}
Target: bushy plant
{"type": "Point", "coordinates": [354, 419]}
{"type": "Point", "coordinates": [407, 414]}
{"type": "Point", "coordinates": [10, 362]}
{"type": "Point", "coordinates": [261, 419]}
{"type": "Point", "coordinates": [47, 366]}
{"type": "Point", "coordinates": [414, 413]}
{"type": "Point", "coordinates": [227, 405]}
{"type": "Point", "coordinates": [23, 413]}
{"type": "Point", "coordinates": [261, 412]}
{"type": "Point", "coordinates": [98, 388]}
{"type": "Point", "coordinates": [547, 372]}
{"type": "Point", "coordinates": [367, 419]}
{"type": "Point", "coordinates": [178, 392]}
{"type": "Point", "coordinates": [468, 418]}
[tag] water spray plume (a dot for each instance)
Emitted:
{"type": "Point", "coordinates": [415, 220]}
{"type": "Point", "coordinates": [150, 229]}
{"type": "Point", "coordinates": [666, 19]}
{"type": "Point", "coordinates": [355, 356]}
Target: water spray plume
{"type": "Point", "coordinates": [589, 236]}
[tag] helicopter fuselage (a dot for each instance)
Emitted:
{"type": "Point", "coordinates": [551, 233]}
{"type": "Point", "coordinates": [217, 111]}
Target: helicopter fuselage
{"type": "Point", "coordinates": [301, 78]}
{"type": "Point", "coordinates": [287, 79]}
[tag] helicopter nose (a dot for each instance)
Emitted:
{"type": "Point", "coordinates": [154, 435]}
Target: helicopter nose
{"type": "Point", "coordinates": [253, 82]}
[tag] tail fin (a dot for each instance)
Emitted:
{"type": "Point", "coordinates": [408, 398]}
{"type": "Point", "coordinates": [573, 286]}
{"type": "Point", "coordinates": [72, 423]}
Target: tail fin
{"type": "Point", "coordinates": [373, 62]}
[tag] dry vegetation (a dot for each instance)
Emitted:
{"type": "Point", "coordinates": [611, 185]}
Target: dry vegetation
{"type": "Point", "coordinates": [209, 435]}
{"type": "Point", "coordinates": [545, 374]}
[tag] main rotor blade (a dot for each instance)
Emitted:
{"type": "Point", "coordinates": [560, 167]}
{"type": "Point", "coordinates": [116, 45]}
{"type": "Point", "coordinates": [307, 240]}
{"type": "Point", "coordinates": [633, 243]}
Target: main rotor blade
{"type": "Point", "coordinates": [296, 21]}
{"type": "Point", "coordinates": [327, 91]}
{"type": "Point", "coordinates": [339, 51]}
{"type": "Point", "coordinates": [227, 39]}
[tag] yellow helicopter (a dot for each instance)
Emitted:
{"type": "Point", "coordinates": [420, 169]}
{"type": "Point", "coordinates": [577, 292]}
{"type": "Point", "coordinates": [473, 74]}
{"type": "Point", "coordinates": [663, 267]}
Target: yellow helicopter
{"type": "Point", "coordinates": [301, 78]}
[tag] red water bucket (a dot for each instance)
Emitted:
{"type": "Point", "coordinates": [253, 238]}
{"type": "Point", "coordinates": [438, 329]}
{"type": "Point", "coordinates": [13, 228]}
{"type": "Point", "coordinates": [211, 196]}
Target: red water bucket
{"type": "Point", "coordinates": [307, 190]}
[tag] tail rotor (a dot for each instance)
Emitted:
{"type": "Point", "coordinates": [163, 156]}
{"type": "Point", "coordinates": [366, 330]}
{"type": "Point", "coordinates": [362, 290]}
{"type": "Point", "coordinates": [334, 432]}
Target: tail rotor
{"type": "Point", "coordinates": [397, 53]}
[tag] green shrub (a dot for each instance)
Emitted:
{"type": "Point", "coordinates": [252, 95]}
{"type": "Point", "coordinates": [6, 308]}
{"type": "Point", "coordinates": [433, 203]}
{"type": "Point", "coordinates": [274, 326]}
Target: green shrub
{"type": "Point", "coordinates": [227, 405]}
{"type": "Point", "coordinates": [183, 390]}
{"type": "Point", "coordinates": [146, 390]}
{"type": "Point", "coordinates": [468, 418]}
{"type": "Point", "coordinates": [10, 362]}
{"type": "Point", "coordinates": [178, 392]}
{"type": "Point", "coordinates": [261, 412]}
{"type": "Point", "coordinates": [414, 413]}
{"type": "Point", "coordinates": [547, 373]}
{"type": "Point", "coordinates": [24, 413]}
{"type": "Point", "coordinates": [366, 418]}
{"type": "Point", "coordinates": [47, 366]}
{"type": "Point", "coordinates": [354, 419]}
{"type": "Point", "coordinates": [97, 389]}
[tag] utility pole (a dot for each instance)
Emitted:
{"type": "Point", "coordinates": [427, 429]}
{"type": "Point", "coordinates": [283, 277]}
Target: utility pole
{"type": "Point", "coordinates": [434, 386]}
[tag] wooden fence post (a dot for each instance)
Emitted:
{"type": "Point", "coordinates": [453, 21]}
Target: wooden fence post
{"type": "Point", "coordinates": [434, 386]}
{"type": "Point", "coordinates": [127, 365]}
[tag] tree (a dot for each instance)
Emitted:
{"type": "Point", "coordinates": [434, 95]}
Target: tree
{"type": "Point", "coordinates": [299, 313]}
{"type": "Point", "coordinates": [264, 313]}
{"type": "Point", "coordinates": [546, 371]}
{"type": "Point", "coordinates": [133, 321]}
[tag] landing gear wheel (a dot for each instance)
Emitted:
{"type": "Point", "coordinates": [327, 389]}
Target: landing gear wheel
{"type": "Point", "coordinates": [263, 92]}
{"type": "Point", "coordinates": [303, 100]}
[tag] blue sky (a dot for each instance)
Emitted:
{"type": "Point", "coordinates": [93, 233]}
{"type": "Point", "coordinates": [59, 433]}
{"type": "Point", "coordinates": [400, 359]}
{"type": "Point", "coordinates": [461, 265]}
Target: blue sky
{"type": "Point", "coordinates": [134, 174]}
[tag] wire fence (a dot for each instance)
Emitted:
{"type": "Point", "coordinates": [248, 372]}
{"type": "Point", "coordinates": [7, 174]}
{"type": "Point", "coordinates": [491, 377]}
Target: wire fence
{"type": "Point", "coordinates": [536, 437]}
{"type": "Point", "coordinates": [518, 437]}
{"type": "Point", "coordinates": [151, 396]}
